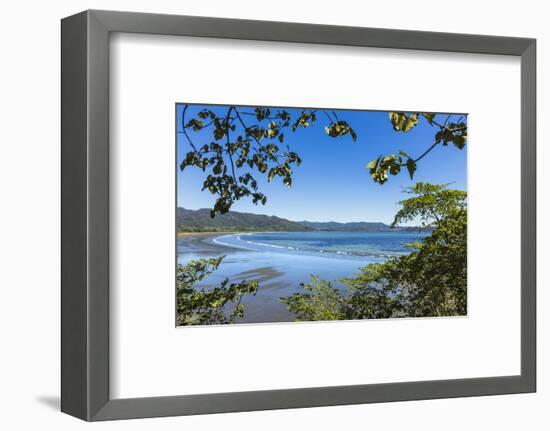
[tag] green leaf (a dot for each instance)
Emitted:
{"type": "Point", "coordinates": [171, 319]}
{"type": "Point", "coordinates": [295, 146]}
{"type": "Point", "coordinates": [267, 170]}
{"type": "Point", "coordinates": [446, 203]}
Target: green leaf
{"type": "Point", "coordinates": [195, 124]}
{"type": "Point", "coordinates": [429, 117]}
{"type": "Point", "coordinates": [287, 181]}
{"type": "Point", "coordinates": [411, 167]}
{"type": "Point", "coordinates": [394, 168]}
{"type": "Point", "coordinates": [459, 141]}
{"type": "Point", "coordinates": [219, 133]}
{"type": "Point", "coordinates": [373, 163]}
{"type": "Point", "coordinates": [353, 134]}
{"type": "Point", "coordinates": [402, 122]}
{"type": "Point", "coordinates": [340, 128]}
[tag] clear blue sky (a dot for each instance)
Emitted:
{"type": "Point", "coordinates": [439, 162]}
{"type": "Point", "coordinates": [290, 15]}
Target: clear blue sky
{"type": "Point", "coordinates": [333, 183]}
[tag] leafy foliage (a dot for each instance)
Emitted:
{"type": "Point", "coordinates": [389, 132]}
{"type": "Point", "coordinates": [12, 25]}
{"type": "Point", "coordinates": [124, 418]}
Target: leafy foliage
{"type": "Point", "coordinates": [322, 302]}
{"type": "Point", "coordinates": [450, 131]}
{"type": "Point", "coordinates": [430, 281]}
{"type": "Point", "coordinates": [430, 204]}
{"type": "Point", "coordinates": [240, 149]}
{"type": "Point", "coordinates": [219, 305]}
{"type": "Point", "coordinates": [403, 122]}
{"type": "Point", "coordinates": [340, 128]}
{"type": "Point", "coordinates": [246, 142]}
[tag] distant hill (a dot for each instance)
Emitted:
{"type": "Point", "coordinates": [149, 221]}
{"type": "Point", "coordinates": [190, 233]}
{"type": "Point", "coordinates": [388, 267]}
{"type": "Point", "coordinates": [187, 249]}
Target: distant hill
{"type": "Point", "coordinates": [200, 221]}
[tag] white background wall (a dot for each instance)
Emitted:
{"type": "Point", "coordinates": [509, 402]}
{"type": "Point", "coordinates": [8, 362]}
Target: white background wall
{"type": "Point", "coordinates": [30, 216]}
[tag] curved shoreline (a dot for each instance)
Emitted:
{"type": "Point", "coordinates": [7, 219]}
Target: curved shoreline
{"type": "Point", "coordinates": [216, 240]}
{"type": "Point", "coordinates": [287, 249]}
{"type": "Point", "coordinates": [202, 242]}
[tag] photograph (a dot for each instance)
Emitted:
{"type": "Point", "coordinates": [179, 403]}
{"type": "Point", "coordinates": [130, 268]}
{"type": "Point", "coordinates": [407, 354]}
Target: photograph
{"type": "Point", "coordinates": [314, 214]}
{"type": "Point", "coordinates": [268, 216]}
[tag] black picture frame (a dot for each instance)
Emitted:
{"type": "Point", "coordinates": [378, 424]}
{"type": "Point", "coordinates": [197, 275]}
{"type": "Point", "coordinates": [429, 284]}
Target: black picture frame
{"type": "Point", "coordinates": [85, 215]}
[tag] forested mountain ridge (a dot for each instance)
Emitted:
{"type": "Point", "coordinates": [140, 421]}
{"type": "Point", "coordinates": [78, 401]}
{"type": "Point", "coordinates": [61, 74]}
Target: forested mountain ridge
{"type": "Point", "coordinates": [234, 221]}
{"type": "Point", "coordinates": [200, 221]}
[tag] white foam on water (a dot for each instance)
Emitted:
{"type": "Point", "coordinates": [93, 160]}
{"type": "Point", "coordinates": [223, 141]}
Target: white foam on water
{"type": "Point", "coordinates": [264, 245]}
{"type": "Point", "coordinates": [217, 241]}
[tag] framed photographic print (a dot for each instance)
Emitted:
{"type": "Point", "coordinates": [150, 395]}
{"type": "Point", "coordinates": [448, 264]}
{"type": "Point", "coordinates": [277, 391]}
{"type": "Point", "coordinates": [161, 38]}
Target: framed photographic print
{"type": "Point", "coordinates": [408, 260]}
{"type": "Point", "coordinates": [316, 215]}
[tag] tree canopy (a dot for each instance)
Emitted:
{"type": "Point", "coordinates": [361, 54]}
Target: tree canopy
{"type": "Point", "coordinates": [247, 142]}
{"type": "Point", "coordinates": [451, 131]}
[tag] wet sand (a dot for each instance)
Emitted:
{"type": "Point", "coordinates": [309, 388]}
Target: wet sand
{"type": "Point", "coordinates": [261, 275]}
{"type": "Point", "coordinates": [201, 244]}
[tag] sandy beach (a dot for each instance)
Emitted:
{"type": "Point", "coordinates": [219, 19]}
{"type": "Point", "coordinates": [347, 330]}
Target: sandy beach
{"type": "Point", "coordinates": [201, 244]}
